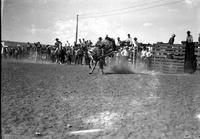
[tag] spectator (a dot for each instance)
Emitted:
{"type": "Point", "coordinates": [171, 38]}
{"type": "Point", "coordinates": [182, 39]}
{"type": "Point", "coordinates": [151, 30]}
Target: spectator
{"type": "Point", "coordinates": [80, 42]}
{"type": "Point", "coordinates": [136, 43]}
{"type": "Point", "coordinates": [118, 55]}
{"type": "Point", "coordinates": [99, 42]}
{"type": "Point", "coordinates": [129, 40]}
{"type": "Point", "coordinates": [190, 60]}
{"type": "Point", "coordinates": [143, 54]}
{"type": "Point", "coordinates": [199, 38]}
{"type": "Point", "coordinates": [125, 54]}
{"type": "Point", "coordinates": [3, 49]}
{"type": "Point", "coordinates": [148, 59]}
{"type": "Point", "coordinates": [118, 42]}
{"type": "Point", "coordinates": [67, 44]}
{"type": "Point", "coordinates": [171, 40]}
{"type": "Point", "coordinates": [58, 43]}
{"type": "Point", "coordinates": [189, 38]}
{"type": "Point", "coordinates": [136, 50]}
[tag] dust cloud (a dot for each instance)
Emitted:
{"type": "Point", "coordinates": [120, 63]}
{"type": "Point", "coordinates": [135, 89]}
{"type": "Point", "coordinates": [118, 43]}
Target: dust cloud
{"type": "Point", "coordinates": [122, 66]}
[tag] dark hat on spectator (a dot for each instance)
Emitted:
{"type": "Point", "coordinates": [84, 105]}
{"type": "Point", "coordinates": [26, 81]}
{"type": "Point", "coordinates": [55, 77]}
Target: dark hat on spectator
{"type": "Point", "coordinates": [188, 32]}
{"type": "Point", "coordinates": [135, 38]}
{"type": "Point", "coordinates": [173, 35]}
{"type": "Point", "coordinates": [56, 39]}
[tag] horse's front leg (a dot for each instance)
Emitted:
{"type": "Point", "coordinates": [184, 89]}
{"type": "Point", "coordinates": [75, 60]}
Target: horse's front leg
{"type": "Point", "coordinates": [95, 64]}
{"type": "Point", "coordinates": [89, 60]}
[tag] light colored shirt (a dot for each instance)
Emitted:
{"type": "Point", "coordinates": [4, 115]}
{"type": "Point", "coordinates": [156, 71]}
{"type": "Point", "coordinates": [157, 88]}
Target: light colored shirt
{"type": "Point", "coordinates": [3, 46]}
{"type": "Point", "coordinates": [148, 54]}
{"type": "Point", "coordinates": [124, 52]}
{"type": "Point", "coordinates": [136, 43]}
{"type": "Point", "coordinates": [189, 38]}
{"type": "Point", "coordinates": [130, 40]}
{"type": "Point", "coordinates": [118, 54]}
{"type": "Point", "coordinates": [143, 53]}
{"type": "Point", "coordinates": [117, 43]}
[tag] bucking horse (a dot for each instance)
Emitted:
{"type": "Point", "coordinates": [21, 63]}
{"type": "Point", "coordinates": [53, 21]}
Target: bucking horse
{"type": "Point", "coordinates": [98, 53]}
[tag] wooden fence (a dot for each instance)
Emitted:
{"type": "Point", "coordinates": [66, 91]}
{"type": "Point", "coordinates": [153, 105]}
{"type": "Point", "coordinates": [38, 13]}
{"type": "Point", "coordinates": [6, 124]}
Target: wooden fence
{"type": "Point", "coordinates": [168, 58]}
{"type": "Point", "coordinates": [197, 53]}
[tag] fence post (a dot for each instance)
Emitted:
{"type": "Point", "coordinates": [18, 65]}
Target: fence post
{"type": "Point", "coordinates": [189, 64]}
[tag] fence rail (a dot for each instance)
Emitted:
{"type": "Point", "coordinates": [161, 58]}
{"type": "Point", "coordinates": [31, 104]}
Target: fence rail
{"type": "Point", "coordinates": [168, 58]}
{"type": "Point", "coordinates": [197, 53]}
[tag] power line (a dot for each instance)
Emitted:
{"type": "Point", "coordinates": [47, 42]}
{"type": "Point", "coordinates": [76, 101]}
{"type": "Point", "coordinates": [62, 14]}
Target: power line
{"type": "Point", "coordinates": [119, 9]}
{"type": "Point", "coordinates": [131, 10]}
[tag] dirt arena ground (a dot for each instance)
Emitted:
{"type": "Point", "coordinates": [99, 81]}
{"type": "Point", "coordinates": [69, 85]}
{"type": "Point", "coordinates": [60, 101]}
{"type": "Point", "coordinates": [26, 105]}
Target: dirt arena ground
{"type": "Point", "coordinates": [65, 102]}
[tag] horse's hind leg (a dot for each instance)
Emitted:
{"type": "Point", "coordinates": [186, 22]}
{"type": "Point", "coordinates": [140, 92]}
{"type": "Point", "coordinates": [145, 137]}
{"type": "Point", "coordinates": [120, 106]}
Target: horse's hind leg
{"type": "Point", "coordinates": [90, 63]}
{"type": "Point", "coordinates": [93, 67]}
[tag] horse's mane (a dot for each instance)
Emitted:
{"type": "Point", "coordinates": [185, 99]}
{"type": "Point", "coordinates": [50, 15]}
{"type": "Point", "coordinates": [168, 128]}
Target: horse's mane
{"type": "Point", "coordinates": [109, 44]}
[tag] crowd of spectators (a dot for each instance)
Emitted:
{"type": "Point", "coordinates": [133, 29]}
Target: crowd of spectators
{"type": "Point", "coordinates": [73, 54]}
{"type": "Point", "coordinates": [129, 50]}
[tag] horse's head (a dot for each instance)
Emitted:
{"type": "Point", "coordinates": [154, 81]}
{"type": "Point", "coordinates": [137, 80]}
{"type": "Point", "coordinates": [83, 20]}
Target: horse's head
{"type": "Point", "coordinates": [109, 44]}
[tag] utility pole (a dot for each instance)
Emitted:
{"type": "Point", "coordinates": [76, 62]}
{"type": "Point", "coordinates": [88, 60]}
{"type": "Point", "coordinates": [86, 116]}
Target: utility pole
{"type": "Point", "coordinates": [76, 29]}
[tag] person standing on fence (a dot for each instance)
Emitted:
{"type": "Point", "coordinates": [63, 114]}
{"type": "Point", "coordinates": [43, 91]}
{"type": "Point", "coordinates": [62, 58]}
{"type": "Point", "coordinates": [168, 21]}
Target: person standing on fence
{"type": "Point", "coordinates": [171, 40]}
{"type": "Point", "coordinates": [190, 59]}
{"type": "Point", "coordinates": [136, 50]}
{"type": "Point", "coordinates": [118, 43]}
{"type": "Point", "coordinates": [129, 40]}
{"type": "Point", "coordinates": [189, 38]}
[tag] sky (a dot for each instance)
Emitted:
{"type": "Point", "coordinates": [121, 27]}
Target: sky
{"type": "Point", "coordinates": [150, 21]}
